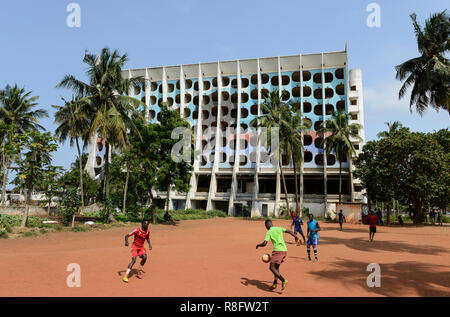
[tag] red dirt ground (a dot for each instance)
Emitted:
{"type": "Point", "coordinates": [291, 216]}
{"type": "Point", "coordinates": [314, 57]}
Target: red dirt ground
{"type": "Point", "coordinates": [217, 257]}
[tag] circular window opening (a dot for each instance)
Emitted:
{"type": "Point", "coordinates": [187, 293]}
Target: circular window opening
{"type": "Point", "coordinates": [318, 110]}
{"type": "Point", "coordinates": [264, 78]}
{"type": "Point", "coordinates": [318, 143]}
{"type": "Point", "coordinates": [307, 156]}
{"type": "Point", "coordinates": [307, 107]}
{"type": "Point", "coordinates": [306, 91]}
{"type": "Point", "coordinates": [296, 76]}
{"type": "Point", "coordinates": [188, 84]}
{"type": "Point", "coordinates": [319, 159]}
{"type": "Point", "coordinates": [340, 89]}
{"type": "Point", "coordinates": [317, 125]}
{"type": "Point", "coordinates": [307, 139]}
{"type": "Point", "coordinates": [339, 73]}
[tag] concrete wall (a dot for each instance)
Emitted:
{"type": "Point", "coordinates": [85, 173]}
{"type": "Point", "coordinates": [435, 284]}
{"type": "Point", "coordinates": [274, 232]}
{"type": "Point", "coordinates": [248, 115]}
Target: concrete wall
{"type": "Point", "coordinates": [352, 212]}
{"type": "Point", "coordinates": [34, 210]}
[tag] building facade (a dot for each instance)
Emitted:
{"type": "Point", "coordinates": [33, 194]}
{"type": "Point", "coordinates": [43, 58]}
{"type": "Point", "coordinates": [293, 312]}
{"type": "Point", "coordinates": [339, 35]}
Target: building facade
{"type": "Point", "coordinates": [220, 100]}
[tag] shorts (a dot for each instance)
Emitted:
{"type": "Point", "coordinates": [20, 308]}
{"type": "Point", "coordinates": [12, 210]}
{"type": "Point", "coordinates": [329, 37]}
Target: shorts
{"type": "Point", "coordinates": [138, 251]}
{"type": "Point", "coordinates": [278, 257]}
{"type": "Point", "coordinates": [312, 241]}
{"type": "Point", "coordinates": [298, 230]}
{"type": "Point", "coordinates": [372, 229]}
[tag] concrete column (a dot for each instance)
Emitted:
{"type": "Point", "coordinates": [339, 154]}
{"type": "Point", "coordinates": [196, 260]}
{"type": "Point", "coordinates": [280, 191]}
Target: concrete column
{"type": "Point", "coordinates": [255, 211]}
{"type": "Point", "coordinates": [147, 95]}
{"type": "Point", "coordinates": [182, 92]}
{"type": "Point", "coordinates": [325, 179]}
{"type": "Point", "coordinates": [218, 141]}
{"type": "Point", "coordinates": [277, 167]}
{"type": "Point", "coordinates": [301, 167]}
{"type": "Point", "coordinates": [164, 84]}
{"type": "Point", "coordinates": [237, 147]}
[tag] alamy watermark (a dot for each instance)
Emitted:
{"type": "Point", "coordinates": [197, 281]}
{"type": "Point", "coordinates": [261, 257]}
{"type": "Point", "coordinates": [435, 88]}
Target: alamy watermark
{"type": "Point", "coordinates": [74, 278]}
{"type": "Point", "coordinates": [73, 20]}
{"type": "Point", "coordinates": [374, 18]}
{"type": "Point", "coordinates": [374, 278]}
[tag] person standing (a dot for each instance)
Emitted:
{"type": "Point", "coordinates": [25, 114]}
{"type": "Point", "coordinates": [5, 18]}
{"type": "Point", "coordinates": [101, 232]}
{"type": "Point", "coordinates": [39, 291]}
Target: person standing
{"type": "Point", "coordinates": [313, 237]}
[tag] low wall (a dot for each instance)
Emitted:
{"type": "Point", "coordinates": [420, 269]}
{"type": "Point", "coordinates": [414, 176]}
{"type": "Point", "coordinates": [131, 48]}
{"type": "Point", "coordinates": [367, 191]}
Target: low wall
{"type": "Point", "coordinates": [34, 210]}
{"type": "Point", "coordinates": [351, 211]}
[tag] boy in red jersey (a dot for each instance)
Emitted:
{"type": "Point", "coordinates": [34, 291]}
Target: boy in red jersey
{"type": "Point", "coordinates": [137, 248]}
{"type": "Point", "coordinates": [372, 225]}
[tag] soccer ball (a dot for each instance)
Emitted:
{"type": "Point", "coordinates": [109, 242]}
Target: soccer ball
{"type": "Point", "coordinates": [265, 258]}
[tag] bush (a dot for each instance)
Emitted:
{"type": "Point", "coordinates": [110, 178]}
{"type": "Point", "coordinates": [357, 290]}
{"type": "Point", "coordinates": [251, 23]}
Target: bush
{"type": "Point", "coordinates": [3, 234]}
{"type": "Point", "coordinates": [106, 211]}
{"type": "Point", "coordinates": [70, 206]}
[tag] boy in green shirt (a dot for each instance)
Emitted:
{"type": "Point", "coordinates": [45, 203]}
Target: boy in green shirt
{"type": "Point", "coordinates": [275, 234]}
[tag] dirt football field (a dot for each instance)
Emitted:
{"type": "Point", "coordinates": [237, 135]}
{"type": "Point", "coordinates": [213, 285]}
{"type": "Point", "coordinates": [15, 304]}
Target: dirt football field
{"type": "Point", "coordinates": [217, 257]}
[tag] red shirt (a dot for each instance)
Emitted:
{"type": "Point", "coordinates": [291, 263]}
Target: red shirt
{"type": "Point", "coordinates": [372, 220]}
{"type": "Point", "coordinates": [139, 237]}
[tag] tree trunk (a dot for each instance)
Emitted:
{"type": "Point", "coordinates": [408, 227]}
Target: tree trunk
{"type": "Point", "coordinates": [5, 181]}
{"type": "Point", "coordinates": [388, 217]}
{"type": "Point", "coordinates": [27, 206]}
{"type": "Point", "coordinates": [297, 203]}
{"type": "Point", "coordinates": [107, 169]}
{"type": "Point", "coordinates": [81, 173]}
{"type": "Point", "coordinates": [284, 186]}
{"type": "Point", "coordinates": [48, 207]}
{"type": "Point", "coordinates": [168, 198]}
{"type": "Point", "coordinates": [125, 190]}
{"type": "Point", "coordinates": [418, 213]}
{"type": "Point", "coordinates": [301, 188]}
{"type": "Point", "coordinates": [153, 207]}
{"type": "Point", "coordinates": [340, 182]}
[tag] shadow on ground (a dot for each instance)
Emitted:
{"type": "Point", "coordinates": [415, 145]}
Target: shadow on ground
{"type": "Point", "coordinates": [397, 279]}
{"type": "Point", "coordinates": [363, 244]}
{"type": "Point", "coordinates": [262, 285]}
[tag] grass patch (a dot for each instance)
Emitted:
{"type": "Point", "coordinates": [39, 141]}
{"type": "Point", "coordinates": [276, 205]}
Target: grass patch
{"type": "Point", "coordinates": [43, 231]}
{"type": "Point", "coordinates": [79, 229]}
{"type": "Point", "coordinates": [29, 234]}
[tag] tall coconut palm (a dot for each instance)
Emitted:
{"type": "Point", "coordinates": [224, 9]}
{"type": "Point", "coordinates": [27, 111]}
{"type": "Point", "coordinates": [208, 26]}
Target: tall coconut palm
{"type": "Point", "coordinates": [73, 124]}
{"type": "Point", "coordinates": [17, 110]}
{"type": "Point", "coordinates": [428, 74]}
{"type": "Point", "coordinates": [275, 114]}
{"type": "Point", "coordinates": [392, 128]}
{"type": "Point", "coordinates": [338, 140]}
{"type": "Point", "coordinates": [112, 113]}
{"type": "Point", "coordinates": [297, 125]}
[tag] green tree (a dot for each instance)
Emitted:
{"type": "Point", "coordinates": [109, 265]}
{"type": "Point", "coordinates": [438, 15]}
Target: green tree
{"type": "Point", "coordinates": [70, 180]}
{"type": "Point", "coordinates": [428, 74]}
{"type": "Point", "coordinates": [17, 112]}
{"type": "Point", "coordinates": [31, 170]}
{"type": "Point", "coordinates": [392, 128]}
{"type": "Point", "coordinates": [50, 184]}
{"type": "Point", "coordinates": [170, 172]}
{"type": "Point", "coordinates": [407, 166]}
{"type": "Point", "coordinates": [295, 126]}
{"type": "Point", "coordinates": [73, 124]}
{"type": "Point", "coordinates": [340, 132]}
{"type": "Point", "coordinates": [112, 113]}
{"type": "Point", "coordinates": [274, 113]}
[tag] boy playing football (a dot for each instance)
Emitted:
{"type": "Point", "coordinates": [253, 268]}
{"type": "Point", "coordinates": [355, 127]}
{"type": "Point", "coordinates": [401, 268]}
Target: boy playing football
{"type": "Point", "coordinates": [137, 248]}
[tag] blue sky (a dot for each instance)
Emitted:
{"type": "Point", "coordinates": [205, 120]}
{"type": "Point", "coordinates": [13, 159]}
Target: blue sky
{"type": "Point", "coordinates": [38, 48]}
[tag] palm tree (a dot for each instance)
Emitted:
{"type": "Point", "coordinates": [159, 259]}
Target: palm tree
{"type": "Point", "coordinates": [275, 116]}
{"type": "Point", "coordinates": [73, 123]}
{"type": "Point", "coordinates": [295, 126]}
{"type": "Point", "coordinates": [111, 112]}
{"type": "Point", "coordinates": [338, 140]}
{"type": "Point", "coordinates": [428, 74]}
{"type": "Point", "coordinates": [392, 128]}
{"type": "Point", "coordinates": [16, 110]}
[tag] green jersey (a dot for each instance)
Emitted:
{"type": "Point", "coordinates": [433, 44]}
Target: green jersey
{"type": "Point", "coordinates": [275, 234]}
